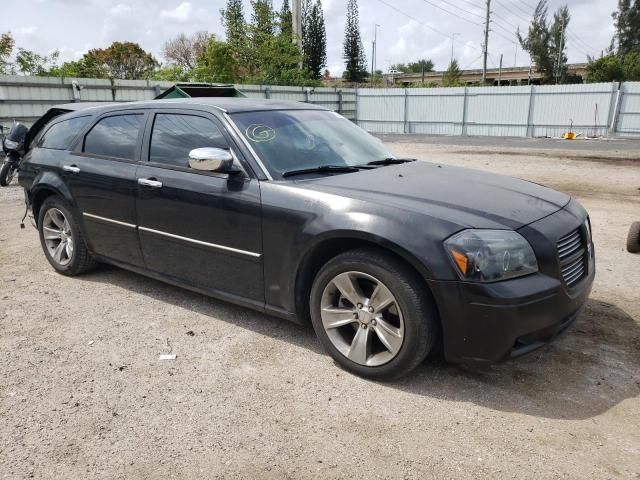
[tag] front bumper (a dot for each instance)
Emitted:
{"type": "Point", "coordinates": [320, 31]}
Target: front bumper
{"type": "Point", "coordinates": [488, 323]}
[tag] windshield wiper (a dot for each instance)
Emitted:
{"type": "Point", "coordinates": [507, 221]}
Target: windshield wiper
{"type": "Point", "coordinates": [391, 161]}
{"type": "Point", "coordinates": [321, 169]}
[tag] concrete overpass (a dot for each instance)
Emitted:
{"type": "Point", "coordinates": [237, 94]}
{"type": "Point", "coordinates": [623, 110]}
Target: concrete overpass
{"type": "Point", "coordinates": [508, 76]}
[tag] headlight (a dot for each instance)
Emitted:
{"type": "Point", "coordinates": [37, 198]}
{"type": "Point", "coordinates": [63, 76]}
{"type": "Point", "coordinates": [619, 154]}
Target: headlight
{"type": "Point", "coordinates": [491, 255]}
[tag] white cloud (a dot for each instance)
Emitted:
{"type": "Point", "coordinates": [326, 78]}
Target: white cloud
{"type": "Point", "coordinates": [120, 11]}
{"type": "Point", "coordinates": [26, 31]}
{"type": "Point", "coordinates": [180, 14]}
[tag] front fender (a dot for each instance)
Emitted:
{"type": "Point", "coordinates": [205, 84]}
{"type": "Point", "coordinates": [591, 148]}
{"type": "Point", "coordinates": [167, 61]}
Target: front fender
{"type": "Point", "coordinates": [295, 228]}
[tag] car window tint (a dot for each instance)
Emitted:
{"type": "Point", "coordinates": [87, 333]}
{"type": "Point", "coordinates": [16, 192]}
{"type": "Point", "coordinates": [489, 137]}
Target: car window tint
{"type": "Point", "coordinates": [60, 135]}
{"type": "Point", "coordinates": [115, 136]}
{"type": "Point", "coordinates": [175, 135]}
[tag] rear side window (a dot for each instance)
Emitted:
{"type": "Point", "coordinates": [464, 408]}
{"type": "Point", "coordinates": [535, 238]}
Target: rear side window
{"type": "Point", "coordinates": [60, 135]}
{"type": "Point", "coordinates": [175, 135]}
{"type": "Point", "coordinates": [115, 136]}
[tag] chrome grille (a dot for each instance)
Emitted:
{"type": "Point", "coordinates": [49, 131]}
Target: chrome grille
{"type": "Point", "coordinates": [572, 256]}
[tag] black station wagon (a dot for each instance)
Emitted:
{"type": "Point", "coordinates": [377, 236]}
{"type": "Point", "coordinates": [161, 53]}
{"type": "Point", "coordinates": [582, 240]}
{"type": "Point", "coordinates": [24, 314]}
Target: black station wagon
{"type": "Point", "coordinates": [292, 210]}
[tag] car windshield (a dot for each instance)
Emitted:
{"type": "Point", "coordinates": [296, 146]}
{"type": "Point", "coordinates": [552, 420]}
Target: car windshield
{"type": "Point", "coordinates": [293, 140]}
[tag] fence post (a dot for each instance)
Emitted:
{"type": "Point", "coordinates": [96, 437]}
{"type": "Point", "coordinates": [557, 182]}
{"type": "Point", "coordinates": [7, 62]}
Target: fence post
{"type": "Point", "coordinates": [530, 113]}
{"type": "Point", "coordinates": [615, 114]}
{"type": "Point", "coordinates": [340, 101]}
{"type": "Point", "coordinates": [406, 111]}
{"type": "Point", "coordinates": [464, 112]}
{"type": "Point", "coordinates": [357, 107]}
{"type": "Point", "coordinates": [267, 93]}
{"type": "Point", "coordinates": [306, 94]}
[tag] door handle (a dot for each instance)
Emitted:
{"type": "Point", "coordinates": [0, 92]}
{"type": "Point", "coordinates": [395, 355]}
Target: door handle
{"type": "Point", "coordinates": [70, 169]}
{"type": "Point", "coordinates": [148, 182]}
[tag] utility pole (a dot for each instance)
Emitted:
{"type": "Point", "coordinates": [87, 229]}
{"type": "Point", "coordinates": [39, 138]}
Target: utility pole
{"type": "Point", "coordinates": [486, 42]}
{"type": "Point", "coordinates": [374, 48]}
{"type": "Point", "coordinates": [296, 20]}
{"type": "Point", "coordinates": [560, 49]}
{"type": "Point", "coordinates": [500, 71]}
{"type": "Point", "coordinates": [453, 40]}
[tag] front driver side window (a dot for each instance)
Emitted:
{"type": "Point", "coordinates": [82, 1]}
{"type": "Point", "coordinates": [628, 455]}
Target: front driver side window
{"type": "Point", "coordinates": [175, 135]}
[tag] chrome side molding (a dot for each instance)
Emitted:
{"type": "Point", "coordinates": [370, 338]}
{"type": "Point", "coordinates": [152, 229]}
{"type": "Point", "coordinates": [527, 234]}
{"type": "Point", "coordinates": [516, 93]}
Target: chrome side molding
{"type": "Point", "coordinates": [108, 220]}
{"type": "Point", "coordinates": [200, 242]}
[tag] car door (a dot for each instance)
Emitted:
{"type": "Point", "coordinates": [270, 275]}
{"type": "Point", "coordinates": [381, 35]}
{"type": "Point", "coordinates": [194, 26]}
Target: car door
{"type": "Point", "coordinates": [196, 227]}
{"type": "Point", "coordinates": [101, 176]}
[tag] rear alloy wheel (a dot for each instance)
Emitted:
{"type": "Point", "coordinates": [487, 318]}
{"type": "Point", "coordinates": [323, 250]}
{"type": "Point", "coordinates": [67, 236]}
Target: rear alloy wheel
{"type": "Point", "coordinates": [57, 236]}
{"type": "Point", "coordinates": [62, 239]}
{"type": "Point", "coordinates": [373, 314]}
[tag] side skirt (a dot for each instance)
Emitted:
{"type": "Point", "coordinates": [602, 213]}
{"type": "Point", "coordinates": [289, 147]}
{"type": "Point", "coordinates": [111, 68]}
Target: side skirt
{"type": "Point", "coordinates": [217, 294]}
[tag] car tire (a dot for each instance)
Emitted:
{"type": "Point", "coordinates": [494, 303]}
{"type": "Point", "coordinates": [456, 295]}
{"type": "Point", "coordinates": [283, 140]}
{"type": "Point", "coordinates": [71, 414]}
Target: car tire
{"type": "Point", "coordinates": [61, 238]}
{"type": "Point", "coordinates": [633, 239]}
{"type": "Point", "coordinates": [6, 174]}
{"type": "Point", "coordinates": [406, 328]}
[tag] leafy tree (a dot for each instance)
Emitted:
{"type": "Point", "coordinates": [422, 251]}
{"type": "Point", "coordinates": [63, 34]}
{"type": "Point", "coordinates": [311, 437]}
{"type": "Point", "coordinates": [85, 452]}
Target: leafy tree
{"type": "Point", "coordinates": [451, 77]}
{"type": "Point", "coordinates": [183, 51]}
{"type": "Point", "coordinates": [558, 43]}
{"type": "Point", "coordinates": [124, 60]}
{"type": "Point", "coordinates": [631, 66]}
{"type": "Point", "coordinates": [172, 73]}
{"type": "Point", "coordinates": [314, 41]}
{"type": "Point", "coordinates": [32, 63]}
{"type": "Point", "coordinates": [605, 69]}
{"type": "Point", "coordinates": [263, 18]}
{"type": "Point", "coordinates": [627, 26]}
{"type": "Point", "coordinates": [217, 63]}
{"type": "Point", "coordinates": [400, 67]}
{"type": "Point", "coordinates": [354, 57]}
{"type": "Point", "coordinates": [538, 40]}
{"type": "Point", "coordinates": [6, 49]}
{"type": "Point", "coordinates": [285, 21]}
{"type": "Point", "coordinates": [282, 64]}
{"type": "Point", "coordinates": [546, 43]}
{"type": "Point", "coordinates": [235, 28]}
{"type": "Point", "coordinates": [86, 67]}
{"type": "Point", "coordinates": [416, 67]}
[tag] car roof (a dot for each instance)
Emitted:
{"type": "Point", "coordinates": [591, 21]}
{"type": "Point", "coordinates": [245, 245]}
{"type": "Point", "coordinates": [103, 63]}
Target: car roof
{"type": "Point", "coordinates": [225, 104]}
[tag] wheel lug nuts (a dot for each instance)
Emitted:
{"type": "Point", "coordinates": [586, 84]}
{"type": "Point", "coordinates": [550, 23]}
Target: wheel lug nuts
{"type": "Point", "coordinates": [364, 325]}
{"type": "Point", "coordinates": [370, 309]}
{"type": "Point", "coordinates": [373, 322]}
{"type": "Point", "coordinates": [359, 305]}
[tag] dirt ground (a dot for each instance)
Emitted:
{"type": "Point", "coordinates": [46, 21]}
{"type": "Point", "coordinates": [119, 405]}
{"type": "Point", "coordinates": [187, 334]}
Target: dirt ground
{"type": "Point", "coordinates": [83, 394]}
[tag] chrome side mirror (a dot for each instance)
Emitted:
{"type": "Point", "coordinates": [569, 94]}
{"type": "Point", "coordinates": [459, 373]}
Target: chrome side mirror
{"type": "Point", "coordinates": [211, 159]}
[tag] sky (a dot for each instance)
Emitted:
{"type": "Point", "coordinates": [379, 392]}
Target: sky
{"type": "Point", "coordinates": [408, 29]}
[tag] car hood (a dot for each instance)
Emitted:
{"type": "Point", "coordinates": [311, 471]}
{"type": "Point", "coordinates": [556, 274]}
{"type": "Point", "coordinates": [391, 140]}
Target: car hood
{"type": "Point", "coordinates": [469, 198]}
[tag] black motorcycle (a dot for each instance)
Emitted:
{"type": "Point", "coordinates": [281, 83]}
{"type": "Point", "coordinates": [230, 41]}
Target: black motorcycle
{"type": "Point", "coordinates": [13, 146]}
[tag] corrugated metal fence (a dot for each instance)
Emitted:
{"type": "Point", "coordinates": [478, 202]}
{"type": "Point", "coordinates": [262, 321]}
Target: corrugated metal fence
{"type": "Point", "coordinates": [529, 111]}
{"type": "Point", "coordinates": [604, 109]}
{"type": "Point", "coordinates": [27, 98]}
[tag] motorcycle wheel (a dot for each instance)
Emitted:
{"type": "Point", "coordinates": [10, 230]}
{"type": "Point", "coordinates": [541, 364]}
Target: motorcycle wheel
{"type": "Point", "coordinates": [7, 172]}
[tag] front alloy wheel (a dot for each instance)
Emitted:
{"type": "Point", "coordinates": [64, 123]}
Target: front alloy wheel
{"type": "Point", "coordinates": [373, 313]}
{"type": "Point", "coordinates": [362, 318]}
